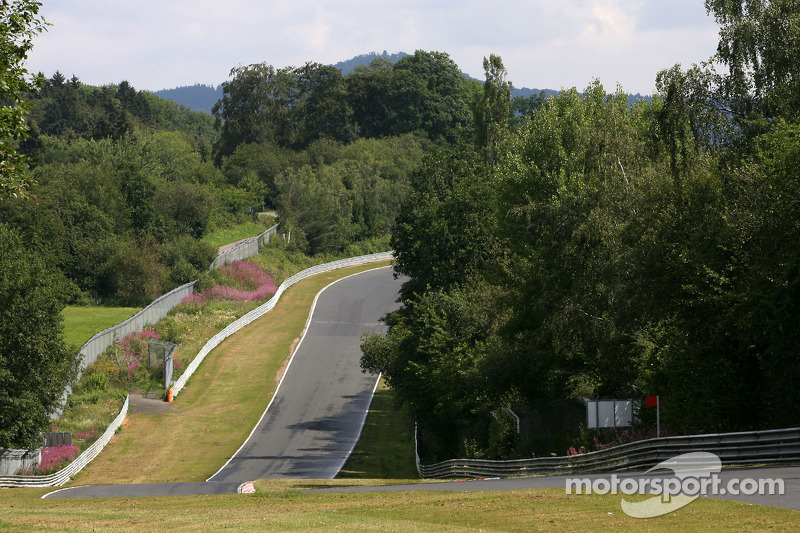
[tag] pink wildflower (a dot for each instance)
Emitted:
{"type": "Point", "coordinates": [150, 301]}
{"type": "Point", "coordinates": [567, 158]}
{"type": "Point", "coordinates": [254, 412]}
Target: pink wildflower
{"type": "Point", "coordinates": [253, 283]}
{"type": "Point", "coordinates": [194, 298]}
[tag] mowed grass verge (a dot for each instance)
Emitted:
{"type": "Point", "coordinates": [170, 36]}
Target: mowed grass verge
{"type": "Point", "coordinates": [221, 404]}
{"type": "Point", "coordinates": [81, 323]}
{"type": "Point", "coordinates": [287, 509]}
{"type": "Point", "coordinates": [386, 447]}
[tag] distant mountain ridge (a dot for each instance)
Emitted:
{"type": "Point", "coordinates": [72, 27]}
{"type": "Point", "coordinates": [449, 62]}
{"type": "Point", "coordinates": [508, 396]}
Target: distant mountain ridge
{"type": "Point", "coordinates": [198, 97]}
{"type": "Point", "coordinates": [201, 97]}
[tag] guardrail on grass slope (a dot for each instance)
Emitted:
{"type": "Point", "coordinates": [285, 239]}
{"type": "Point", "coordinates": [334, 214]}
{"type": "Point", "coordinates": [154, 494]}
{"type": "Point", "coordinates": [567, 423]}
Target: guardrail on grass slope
{"type": "Point", "coordinates": [244, 249]}
{"type": "Point", "coordinates": [750, 447]}
{"type": "Point", "coordinates": [162, 305]}
{"type": "Point", "coordinates": [266, 307]}
{"type": "Point", "coordinates": [62, 476]}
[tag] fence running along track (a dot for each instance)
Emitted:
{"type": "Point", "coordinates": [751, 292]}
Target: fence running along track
{"type": "Point", "coordinates": [64, 475]}
{"type": "Point", "coordinates": [258, 312]}
{"type": "Point", "coordinates": [751, 447]}
{"type": "Point", "coordinates": [162, 305]}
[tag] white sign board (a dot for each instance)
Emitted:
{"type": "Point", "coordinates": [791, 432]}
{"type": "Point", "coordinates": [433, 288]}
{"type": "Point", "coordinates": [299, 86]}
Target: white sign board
{"type": "Point", "coordinates": [609, 413]}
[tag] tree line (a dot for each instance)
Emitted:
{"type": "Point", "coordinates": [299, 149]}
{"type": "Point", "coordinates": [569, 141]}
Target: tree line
{"type": "Point", "coordinates": [606, 249]}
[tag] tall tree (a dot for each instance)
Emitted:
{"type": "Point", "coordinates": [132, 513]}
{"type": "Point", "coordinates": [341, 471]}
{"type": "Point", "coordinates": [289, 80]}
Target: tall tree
{"type": "Point", "coordinates": [19, 24]}
{"type": "Point", "coordinates": [322, 110]}
{"type": "Point", "coordinates": [428, 94]}
{"type": "Point", "coordinates": [491, 110]}
{"type": "Point", "coordinates": [758, 42]}
{"type": "Point", "coordinates": [35, 364]}
{"type": "Point", "coordinates": [254, 108]}
{"type": "Point", "coordinates": [367, 93]}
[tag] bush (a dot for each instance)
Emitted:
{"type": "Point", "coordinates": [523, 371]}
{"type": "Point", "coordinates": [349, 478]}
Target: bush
{"type": "Point", "coordinates": [171, 330]}
{"type": "Point", "coordinates": [94, 381]}
{"type": "Point", "coordinates": [243, 281]}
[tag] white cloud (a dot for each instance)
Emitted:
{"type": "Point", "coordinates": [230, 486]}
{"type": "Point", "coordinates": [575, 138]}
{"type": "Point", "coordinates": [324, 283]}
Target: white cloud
{"type": "Point", "coordinates": [544, 44]}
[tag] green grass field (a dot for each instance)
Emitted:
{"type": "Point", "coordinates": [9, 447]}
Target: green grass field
{"type": "Point", "coordinates": [280, 506]}
{"type": "Point", "coordinates": [80, 323]}
{"type": "Point", "coordinates": [386, 447]}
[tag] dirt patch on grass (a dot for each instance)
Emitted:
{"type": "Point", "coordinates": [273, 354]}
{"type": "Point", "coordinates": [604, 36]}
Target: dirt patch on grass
{"type": "Point", "coordinates": [282, 370]}
{"type": "Point", "coordinates": [149, 406]}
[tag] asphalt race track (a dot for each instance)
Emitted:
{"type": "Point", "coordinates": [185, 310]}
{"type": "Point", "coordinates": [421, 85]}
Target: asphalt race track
{"type": "Point", "coordinates": [316, 415]}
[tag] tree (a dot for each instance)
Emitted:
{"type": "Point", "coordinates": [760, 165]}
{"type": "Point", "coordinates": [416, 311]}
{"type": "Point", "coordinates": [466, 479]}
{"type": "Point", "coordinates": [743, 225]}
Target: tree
{"type": "Point", "coordinates": [760, 44]}
{"type": "Point", "coordinates": [367, 93]}
{"type": "Point", "coordinates": [35, 364]}
{"type": "Point", "coordinates": [254, 108]}
{"type": "Point", "coordinates": [523, 108]}
{"type": "Point", "coordinates": [19, 24]}
{"type": "Point", "coordinates": [444, 231]}
{"type": "Point", "coordinates": [428, 94]}
{"type": "Point", "coordinates": [491, 110]}
{"type": "Point", "coordinates": [322, 110]}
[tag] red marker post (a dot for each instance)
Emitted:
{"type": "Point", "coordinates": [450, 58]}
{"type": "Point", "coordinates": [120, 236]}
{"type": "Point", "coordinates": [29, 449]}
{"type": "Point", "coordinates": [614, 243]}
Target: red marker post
{"type": "Point", "coordinates": [652, 401]}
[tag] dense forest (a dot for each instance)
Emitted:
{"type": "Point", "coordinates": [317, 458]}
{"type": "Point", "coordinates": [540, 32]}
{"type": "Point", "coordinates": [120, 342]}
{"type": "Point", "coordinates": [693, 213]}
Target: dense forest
{"type": "Point", "coordinates": [608, 250]}
{"type": "Point", "coordinates": [573, 246]}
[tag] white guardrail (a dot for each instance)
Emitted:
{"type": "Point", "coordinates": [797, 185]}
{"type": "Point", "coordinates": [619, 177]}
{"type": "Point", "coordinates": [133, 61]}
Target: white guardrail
{"type": "Point", "coordinates": [265, 308]}
{"type": "Point", "coordinates": [751, 447]}
{"type": "Point", "coordinates": [65, 474]}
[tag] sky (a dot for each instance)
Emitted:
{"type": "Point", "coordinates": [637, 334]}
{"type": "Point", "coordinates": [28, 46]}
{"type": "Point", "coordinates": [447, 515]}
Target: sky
{"type": "Point", "coordinates": [544, 44]}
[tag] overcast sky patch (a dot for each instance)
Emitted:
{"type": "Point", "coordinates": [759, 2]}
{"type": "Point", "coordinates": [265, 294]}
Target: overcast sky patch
{"type": "Point", "coordinates": [544, 44]}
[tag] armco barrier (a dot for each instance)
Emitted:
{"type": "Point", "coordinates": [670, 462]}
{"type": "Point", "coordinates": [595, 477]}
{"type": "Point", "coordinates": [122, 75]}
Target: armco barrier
{"type": "Point", "coordinates": [266, 307]}
{"type": "Point", "coordinates": [752, 447]}
{"type": "Point", "coordinates": [64, 475]}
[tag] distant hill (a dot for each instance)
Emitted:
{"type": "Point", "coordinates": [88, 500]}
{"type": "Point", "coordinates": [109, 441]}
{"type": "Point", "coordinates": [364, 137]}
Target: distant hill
{"type": "Point", "coordinates": [348, 65]}
{"type": "Point", "coordinates": [203, 97]}
{"type": "Point", "coordinates": [196, 97]}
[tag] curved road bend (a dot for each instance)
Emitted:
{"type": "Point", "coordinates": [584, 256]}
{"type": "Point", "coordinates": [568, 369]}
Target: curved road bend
{"type": "Point", "coordinates": [316, 415]}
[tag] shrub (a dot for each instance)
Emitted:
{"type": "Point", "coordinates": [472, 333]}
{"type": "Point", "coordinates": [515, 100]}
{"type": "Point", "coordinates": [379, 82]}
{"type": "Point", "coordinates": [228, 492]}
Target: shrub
{"type": "Point", "coordinates": [192, 304]}
{"type": "Point", "coordinates": [132, 350]}
{"type": "Point", "coordinates": [94, 381]}
{"type": "Point", "coordinates": [171, 330]}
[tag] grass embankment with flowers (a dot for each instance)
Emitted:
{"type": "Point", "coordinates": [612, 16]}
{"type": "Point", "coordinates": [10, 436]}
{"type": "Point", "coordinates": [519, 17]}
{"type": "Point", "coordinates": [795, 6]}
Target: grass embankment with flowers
{"type": "Point", "coordinates": [222, 297]}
